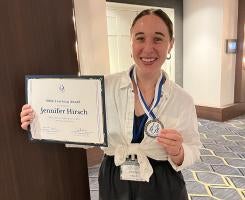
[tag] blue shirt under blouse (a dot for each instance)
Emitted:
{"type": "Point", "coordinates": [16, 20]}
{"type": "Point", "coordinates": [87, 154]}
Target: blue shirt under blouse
{"type": "Point", "coordinates": [139, 123]}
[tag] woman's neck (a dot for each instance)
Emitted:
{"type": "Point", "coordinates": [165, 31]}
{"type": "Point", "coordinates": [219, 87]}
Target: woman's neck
{"type": "Point", "coordinates": [147, 81]}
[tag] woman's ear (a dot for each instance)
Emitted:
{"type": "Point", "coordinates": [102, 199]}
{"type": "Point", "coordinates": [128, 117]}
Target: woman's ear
{"type": "Point", "coordinates": [171, 45]}
{"type": "Point", "coordinates": [131, 47]}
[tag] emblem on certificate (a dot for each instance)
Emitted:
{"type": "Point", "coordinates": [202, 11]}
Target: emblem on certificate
{"type": "Point", "coordinates": [68, 109]}
{"type": "Point", "coordinates": [152, 127]}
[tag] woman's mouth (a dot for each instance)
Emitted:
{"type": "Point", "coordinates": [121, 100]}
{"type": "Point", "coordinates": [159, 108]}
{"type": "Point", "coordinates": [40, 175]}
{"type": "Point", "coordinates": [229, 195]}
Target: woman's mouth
{"type": "Point", "coordinates": [147, 60]}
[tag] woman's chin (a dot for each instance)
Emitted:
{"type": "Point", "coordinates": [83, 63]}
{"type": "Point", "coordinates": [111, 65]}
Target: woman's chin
{"type": "Point", "coordinates": [150, 66]}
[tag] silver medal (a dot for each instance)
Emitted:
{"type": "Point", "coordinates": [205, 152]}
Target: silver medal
{"type": "Point", "coordinates": [152, 127]}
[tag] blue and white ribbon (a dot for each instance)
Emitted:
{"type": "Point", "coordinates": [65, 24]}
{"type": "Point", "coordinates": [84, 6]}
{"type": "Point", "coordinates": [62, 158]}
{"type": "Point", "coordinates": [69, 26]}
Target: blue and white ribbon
{"type": "Point", "coordinates": [157, 96]}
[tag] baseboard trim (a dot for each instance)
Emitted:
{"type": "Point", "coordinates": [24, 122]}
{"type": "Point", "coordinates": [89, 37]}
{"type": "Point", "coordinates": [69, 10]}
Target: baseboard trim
{"type": "Point", "coordinates": [221, 114]}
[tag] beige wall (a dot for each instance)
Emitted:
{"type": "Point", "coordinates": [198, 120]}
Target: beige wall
{"type": "Point", "coordinates": [91, 28]}
{"type": "Point", "coordinates": [208, 71]}
{"type": "Point", "coordinates": [230, 18]}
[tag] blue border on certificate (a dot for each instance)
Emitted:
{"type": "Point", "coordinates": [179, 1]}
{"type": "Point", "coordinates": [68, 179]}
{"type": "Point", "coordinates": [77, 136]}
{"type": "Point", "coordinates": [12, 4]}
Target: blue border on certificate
{"type": "Point", "coordinates": [97, 77]}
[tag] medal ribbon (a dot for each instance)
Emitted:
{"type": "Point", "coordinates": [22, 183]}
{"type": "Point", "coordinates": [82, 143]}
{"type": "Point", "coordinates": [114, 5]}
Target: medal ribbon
{"type": "Point", "coordinates": [157, 97]}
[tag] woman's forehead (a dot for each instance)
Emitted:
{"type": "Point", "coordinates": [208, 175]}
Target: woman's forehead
{"type": "Point", "coordinates": [149, 23]}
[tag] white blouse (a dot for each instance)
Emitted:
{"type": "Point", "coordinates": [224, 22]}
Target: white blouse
{"type": "Point", "coordinates": [175, 110]}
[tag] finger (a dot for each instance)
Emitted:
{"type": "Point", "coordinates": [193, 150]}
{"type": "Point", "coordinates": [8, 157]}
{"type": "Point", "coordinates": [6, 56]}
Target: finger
{"type": "Point", "coordinates": [168, 133]}
{"type": "Point", "coordinates": [168, 130]}
{"type": "Point", "coordinates": [26, 106]}
{"type": "Point", "coordinates": [175, 137]}
{"type": "Point", "coordinates": [25, 125]}
{"type": "Point", "coordinates": [170, 136]}
{"type": "Point", "coordinates": [168, 142]}
{"type": "Point", "coordinates": [26, 112]}
{"type": "Point", "coordinates": [27, 118]}
{"type": "Point", "coordinates": [171, 150]}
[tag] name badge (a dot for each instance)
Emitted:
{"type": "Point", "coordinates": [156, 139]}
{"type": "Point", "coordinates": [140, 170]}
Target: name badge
{"type": "Point", "coordinates": [130, 170]}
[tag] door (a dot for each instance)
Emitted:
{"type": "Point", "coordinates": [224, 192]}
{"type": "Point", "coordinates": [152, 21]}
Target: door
{"type": "Point", "coordinates": [119, 20]}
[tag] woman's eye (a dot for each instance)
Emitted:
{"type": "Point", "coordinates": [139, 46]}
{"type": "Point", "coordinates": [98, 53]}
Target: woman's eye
{"type": "Point", "coordinates": [157, 39]}
{"type": "Point", "coordinates": [140, 38]}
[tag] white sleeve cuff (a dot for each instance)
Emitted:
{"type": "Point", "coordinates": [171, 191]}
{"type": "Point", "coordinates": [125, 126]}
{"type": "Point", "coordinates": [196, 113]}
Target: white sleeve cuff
{"type": "Point", "coordinates": [191, 154]}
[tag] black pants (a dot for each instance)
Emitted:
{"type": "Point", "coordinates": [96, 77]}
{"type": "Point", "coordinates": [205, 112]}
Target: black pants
{"type": "Point", "coordinates": [165, 183]}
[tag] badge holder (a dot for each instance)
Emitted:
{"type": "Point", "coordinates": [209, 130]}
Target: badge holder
{"type": "Point", "coordinates": [130, 169]}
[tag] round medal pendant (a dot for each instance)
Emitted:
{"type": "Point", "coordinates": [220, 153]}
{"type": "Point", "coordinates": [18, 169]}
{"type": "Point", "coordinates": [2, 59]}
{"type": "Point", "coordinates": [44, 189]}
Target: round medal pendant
{"type": "Point", "coordinates": [152, 127]}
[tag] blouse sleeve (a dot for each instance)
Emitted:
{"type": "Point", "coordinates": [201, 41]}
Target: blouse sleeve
{"type": "Point", "coordinates": [188, 127]}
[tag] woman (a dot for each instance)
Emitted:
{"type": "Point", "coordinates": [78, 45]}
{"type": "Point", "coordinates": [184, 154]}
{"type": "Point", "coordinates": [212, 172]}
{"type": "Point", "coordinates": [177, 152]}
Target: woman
{"type": "Point", "coordinates": [152, 125]}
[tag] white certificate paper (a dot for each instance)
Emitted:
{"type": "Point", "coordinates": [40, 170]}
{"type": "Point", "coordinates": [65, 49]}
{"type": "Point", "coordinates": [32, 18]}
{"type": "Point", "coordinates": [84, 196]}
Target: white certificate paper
{"type": "Point", "coordinates": [68, 109]}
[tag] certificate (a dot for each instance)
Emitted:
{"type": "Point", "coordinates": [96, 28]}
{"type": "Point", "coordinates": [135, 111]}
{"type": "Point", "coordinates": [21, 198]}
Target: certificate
{"type": "Point", "coordinates": [68, 109]}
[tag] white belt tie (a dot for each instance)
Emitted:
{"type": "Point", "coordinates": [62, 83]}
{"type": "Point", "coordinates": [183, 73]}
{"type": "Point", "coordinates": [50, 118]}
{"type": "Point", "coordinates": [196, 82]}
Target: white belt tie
{"type": "Point", "coordinates": [121, 153]}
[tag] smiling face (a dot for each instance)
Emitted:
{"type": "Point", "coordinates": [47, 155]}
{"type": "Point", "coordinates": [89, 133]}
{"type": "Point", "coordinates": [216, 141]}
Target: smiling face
{"type": "Point", "coordinates": [151, 42]}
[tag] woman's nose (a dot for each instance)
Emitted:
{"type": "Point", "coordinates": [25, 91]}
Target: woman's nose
{"type": "Point", "coordinates": [148, 46]}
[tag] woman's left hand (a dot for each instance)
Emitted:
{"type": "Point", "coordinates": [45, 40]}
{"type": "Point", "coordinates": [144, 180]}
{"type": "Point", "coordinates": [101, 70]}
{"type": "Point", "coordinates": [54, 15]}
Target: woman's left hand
{"type": "Point", "coordinates": [171, 140]}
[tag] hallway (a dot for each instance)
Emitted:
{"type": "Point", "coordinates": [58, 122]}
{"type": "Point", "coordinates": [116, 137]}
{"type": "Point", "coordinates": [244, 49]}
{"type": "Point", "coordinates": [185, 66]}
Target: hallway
{"type": "Point", "coordinates": [221, 172]}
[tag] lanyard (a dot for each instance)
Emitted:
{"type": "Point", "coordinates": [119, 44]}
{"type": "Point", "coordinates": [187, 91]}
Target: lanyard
{"type": "Point", "coordinates": [157, 96]}
{"type": "Point", "coordinates": [148, 111]}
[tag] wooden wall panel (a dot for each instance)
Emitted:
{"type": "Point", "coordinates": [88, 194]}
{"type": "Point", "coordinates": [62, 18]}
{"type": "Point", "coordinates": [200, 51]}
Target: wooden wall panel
{"type": "Point", "coordinates": [36, 37]}
{"type": "Point", "coordinates": [240, 74]}
{"type": "Point", "coordinates": [221, 114]}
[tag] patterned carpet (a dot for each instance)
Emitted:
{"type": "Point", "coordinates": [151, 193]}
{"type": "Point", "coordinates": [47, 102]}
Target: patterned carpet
{"type": "Point", "coordinates": [220, 175]}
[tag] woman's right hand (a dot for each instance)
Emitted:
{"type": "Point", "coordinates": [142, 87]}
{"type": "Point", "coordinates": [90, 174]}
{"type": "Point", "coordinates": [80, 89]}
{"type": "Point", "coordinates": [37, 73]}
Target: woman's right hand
{"type": "Point", "coordinates": [26, 116]}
